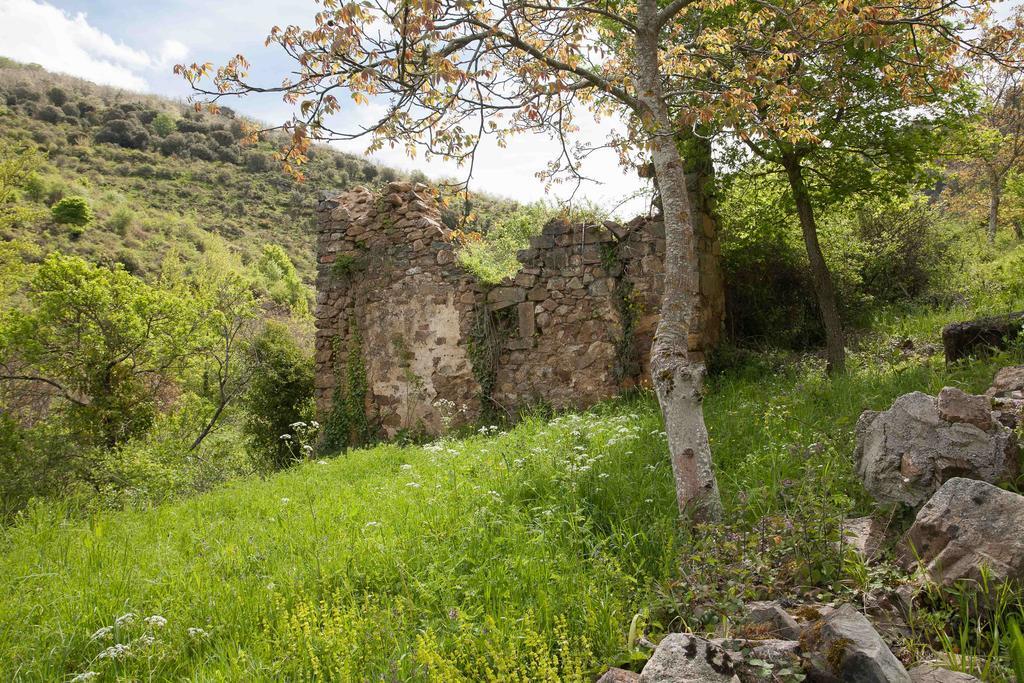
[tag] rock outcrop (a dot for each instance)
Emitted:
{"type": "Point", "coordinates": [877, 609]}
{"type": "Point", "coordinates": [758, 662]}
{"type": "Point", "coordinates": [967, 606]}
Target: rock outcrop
{"type": "Point", "coordinates": [965, 525]}
{"type": "Point", "coordinates": [843, 646]}
{"type": "Point", "coordinates": [684, 658]}
{"type": "Point", "coordinates": [904, 454]}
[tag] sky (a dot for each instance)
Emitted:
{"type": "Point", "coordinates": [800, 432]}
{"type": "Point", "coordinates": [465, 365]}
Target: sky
{"type": "Point", "coordinates": [135, 44]}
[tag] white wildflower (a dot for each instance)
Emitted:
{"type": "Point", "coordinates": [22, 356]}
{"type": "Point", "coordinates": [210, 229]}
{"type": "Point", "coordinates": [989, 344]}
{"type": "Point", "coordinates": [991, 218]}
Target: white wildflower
{"type": "Point", "coordinates": [413, 485]}
{"type": "Point", "coordinates": [314, 424]}
{"type": "Point", "coordinates": [118, 651]}
{"type": "Point", "coordinates": [103, 633]}
{"type": "Point", "coordinates": [372, 524]}
{"type": "Point", "coordinates": [156, 621]}
{"type": "Point", "coordinates": [196, 632]}
{"type": "Point", "coordinates": [84, 677]}
{"type": "Point", "coordinates": [321, 462]}
{"type": "Point", "coordinates": [125, 619]}
{"type": "Point", "coordinates": [145, 641]}
{"type": "Point", "coordinates": [406, 466]}
{"type": "Point", "coordinates": [286, 437]}
{"type": "Point", "coordinates": [307, 448]}
{"type": "Point", "coordinates": [285, 501]}
{"type": "Point", "coordinates": [296, 425]}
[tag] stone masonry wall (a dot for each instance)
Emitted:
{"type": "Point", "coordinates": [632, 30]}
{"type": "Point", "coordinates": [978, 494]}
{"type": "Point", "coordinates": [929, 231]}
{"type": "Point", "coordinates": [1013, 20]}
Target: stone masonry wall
{"type": "Point", "coordinates": [573, 327]}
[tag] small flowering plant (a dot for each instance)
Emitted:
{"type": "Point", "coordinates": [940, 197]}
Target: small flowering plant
{"type": "Point", "coordinates": [450, 412]}
{"type": "Point", "coordinates": [300, 439]}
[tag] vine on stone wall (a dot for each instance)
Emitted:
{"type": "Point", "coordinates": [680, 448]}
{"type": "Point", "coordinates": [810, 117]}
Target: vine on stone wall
{"type": "Point", "coordinates": [486, 339]}
{"type": "Point", "coordinates": [346, 425]}
{"type": "Point", "coordinates": [629, 308]}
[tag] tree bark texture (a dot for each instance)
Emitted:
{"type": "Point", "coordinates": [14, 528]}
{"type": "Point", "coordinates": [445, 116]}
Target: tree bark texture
{"type": "Point", "coordinates": [678, 382]}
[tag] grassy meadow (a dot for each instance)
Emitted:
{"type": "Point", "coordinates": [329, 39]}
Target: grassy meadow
{"type": "Point", "coordinates": [525, 554]}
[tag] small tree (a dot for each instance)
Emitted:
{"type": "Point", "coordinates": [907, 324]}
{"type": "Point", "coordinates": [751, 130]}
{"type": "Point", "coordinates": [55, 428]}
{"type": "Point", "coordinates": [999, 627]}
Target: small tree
{"type": "Point", "coordinates": [280, 394]}
{"type": "Point", "coordinates": [992, 146]}
{"type": "Point", "coordinates": [164, 124]}
{"type": "Point", "coordinates": [840, 98]}
{"type": "Point", "coordinates": [100, 341]}
{"type": "Point", "coordinates": [17, 174]}
{"type": "Point", "coordinates": [232, 314]}
{"type": "Point", "coordinates": [73, 211]}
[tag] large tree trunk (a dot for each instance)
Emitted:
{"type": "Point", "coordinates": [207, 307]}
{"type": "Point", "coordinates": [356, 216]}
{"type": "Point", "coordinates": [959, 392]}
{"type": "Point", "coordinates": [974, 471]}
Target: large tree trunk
{"type": "Point", "coordinates": [677, 381]}
{"type": "Point", "coordinates": [995, 195]}
{"type": "Point", "coordinates": [824, 289]}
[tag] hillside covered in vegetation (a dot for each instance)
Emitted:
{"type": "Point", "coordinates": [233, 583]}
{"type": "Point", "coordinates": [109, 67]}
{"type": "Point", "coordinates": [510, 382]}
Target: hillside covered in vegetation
{"type": "Point", "coordinates": [157, 175]}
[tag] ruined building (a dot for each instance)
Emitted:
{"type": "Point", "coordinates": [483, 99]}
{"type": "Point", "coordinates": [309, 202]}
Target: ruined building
{"type": "Point", "coordinates": [408, 340]}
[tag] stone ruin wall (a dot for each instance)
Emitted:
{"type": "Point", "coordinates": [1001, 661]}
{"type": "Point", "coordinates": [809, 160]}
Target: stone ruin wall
{"type": "Point", "coordinates": [573, 327]}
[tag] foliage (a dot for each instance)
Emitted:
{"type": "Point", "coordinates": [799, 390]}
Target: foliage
{"type": "Point", "coordinates": [882, 251]}
{"type": "Point", "coordinates": [276, 274]}
{"type": "Point", "coordinates": [100, 341]}
{"type": "Point", "coordinates": [490, 255]}
{"type": "Point", "coordinates": [346, 424]}
{"type": "Point", "coordinates": [17, 170]}
{"type": "Point", "coordinates": [74, 211]}
{"type": "Point", "coordinates": [179, 200]}
{"type": "Point", "coordinates": [279, 396]}
{"type": "Point", "coordinates": [164, 124]}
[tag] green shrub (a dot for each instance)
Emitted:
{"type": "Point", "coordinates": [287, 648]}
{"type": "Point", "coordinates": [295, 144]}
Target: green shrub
{"type": "Point", "coordinates": [127, 133]}
{"type": "Point", "coordinates": [280, 395]}
{"type": "Point", "coordinates": [163, 124]}
{"type": "Point", "coordinates": [57, 96]}
{"type": "Point", "coordinates": [74, 211]}
{"type": "Point", "coordinates": [50, 114]}
{"type": "Point", "coordinates": [121, 220]}
{"type": "Point", "coordinates": [492, 258]}
{"type": "Point", "coordinates": [277, 276]}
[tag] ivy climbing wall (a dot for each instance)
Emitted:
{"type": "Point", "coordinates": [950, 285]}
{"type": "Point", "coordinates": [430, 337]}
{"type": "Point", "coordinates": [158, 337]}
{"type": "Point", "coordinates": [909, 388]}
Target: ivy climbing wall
{"type": "Point", "coordinates": [409, 341]}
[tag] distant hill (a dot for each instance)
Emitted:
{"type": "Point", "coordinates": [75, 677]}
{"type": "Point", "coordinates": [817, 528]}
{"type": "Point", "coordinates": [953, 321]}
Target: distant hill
{"type": "Point", "coordinates": [159, 175]}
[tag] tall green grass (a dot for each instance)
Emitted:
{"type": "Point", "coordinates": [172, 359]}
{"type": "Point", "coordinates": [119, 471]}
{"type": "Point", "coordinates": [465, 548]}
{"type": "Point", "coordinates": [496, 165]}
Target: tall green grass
{"type": "Point", "coordinates": [521, 555]}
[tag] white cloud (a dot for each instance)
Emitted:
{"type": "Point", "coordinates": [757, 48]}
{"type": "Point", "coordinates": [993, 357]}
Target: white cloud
{"type": "Point", "coordinates": [33, 31]}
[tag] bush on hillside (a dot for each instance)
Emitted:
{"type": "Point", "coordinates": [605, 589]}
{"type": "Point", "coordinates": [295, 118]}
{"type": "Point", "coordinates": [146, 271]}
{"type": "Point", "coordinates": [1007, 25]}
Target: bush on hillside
{"type": "Point", "coordinates": [163, 124]}
{"type": "Point", "coordinates": [73, 211]}
{"type": "Point", "coordinates": [125, 133]}
{"type": "Point", "coordinates": [57, 96]}
{"type": "Point", "coordinates": [50, 114]}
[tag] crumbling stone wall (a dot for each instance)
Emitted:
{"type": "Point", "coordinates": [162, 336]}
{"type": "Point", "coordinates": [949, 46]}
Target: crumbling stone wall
{"type": "Point", "coordinates": [573, 327]}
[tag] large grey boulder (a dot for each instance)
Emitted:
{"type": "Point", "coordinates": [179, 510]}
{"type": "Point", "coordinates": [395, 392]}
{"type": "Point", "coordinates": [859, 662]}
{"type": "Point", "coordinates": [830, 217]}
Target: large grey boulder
{"type": "Point", "coordinates": [904, 454]}
{"type": "Point", "coordinates": [684, 658]}
{"type": "Point", "coordinates": [843, 646]}
{"type": "Point", "coordinates": [965, 525]}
